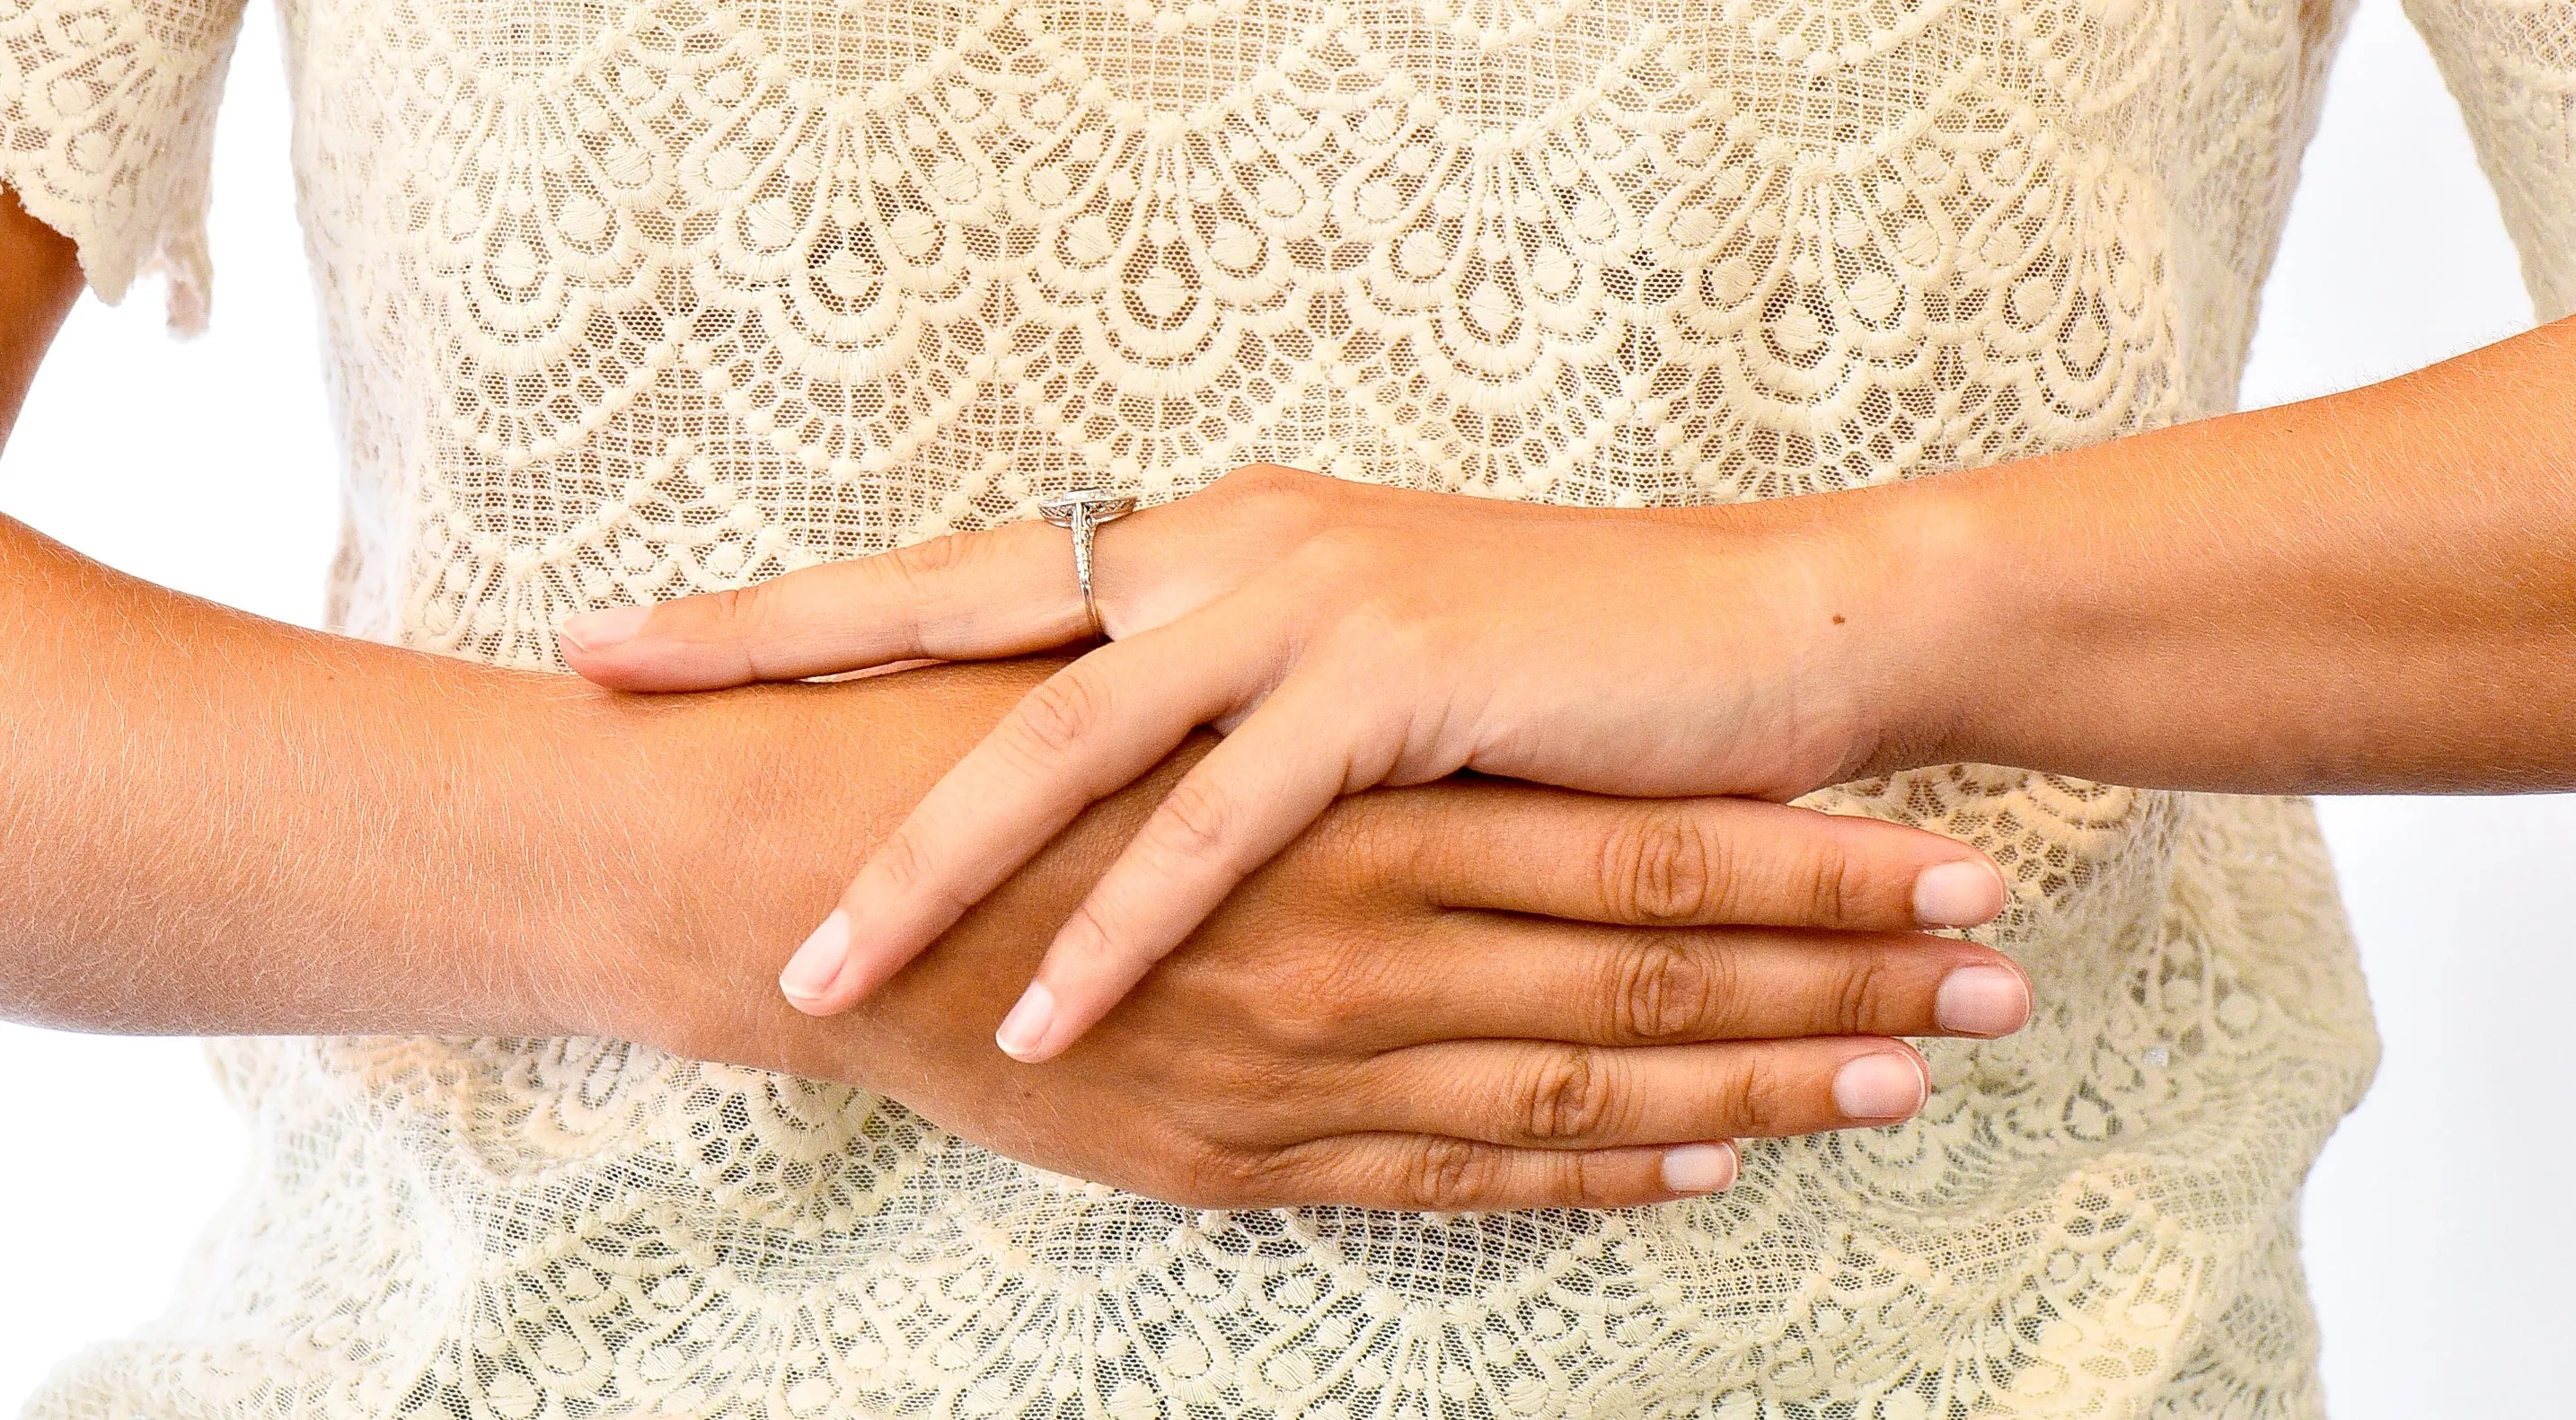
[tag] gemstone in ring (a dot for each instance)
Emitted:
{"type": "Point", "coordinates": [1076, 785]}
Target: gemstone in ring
{"type": "Point", "coordinates": [1081, 511]}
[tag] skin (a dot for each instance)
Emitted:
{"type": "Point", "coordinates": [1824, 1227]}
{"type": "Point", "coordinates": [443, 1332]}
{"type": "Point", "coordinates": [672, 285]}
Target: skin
{"type": "Point", "coordinates": [2365, 592]}
{"type": "Point", "coordinates": [1466, 995]}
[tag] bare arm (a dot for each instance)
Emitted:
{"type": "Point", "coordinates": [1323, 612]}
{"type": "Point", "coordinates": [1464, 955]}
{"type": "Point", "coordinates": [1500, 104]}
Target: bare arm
{"type": "Point", "coordinates": [214, 823]}
{"type": "Point", "coordinates": [2373, 591]}
{"type": "Point", "coordinates": [219, 823]}
{"type": "Point", "coordinates": [39, 280]}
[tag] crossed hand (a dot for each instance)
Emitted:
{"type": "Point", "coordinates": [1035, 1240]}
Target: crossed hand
{"type": "Point", "coordinates": [1345, 637]}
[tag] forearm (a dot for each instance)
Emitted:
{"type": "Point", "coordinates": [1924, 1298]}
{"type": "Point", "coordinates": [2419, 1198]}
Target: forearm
{"type": "Point", "coordinates": [214, 823]}
{"type": "Point", "coordinates": [211, 823]}
{"type": "Point", "coordinates": [2371, 591]}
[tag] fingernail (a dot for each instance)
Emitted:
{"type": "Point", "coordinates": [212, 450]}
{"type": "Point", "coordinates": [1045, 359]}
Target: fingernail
{"type": "Point", "coordinates": [599, 630]}
{"type": "Point", "coordinates": [809, 973]}
{"type": "Point", "coordinates": [1962, 894]}
{"type": "Point", "coordinates": [1699, 1168]}
{"type": "Point", "coordinates": [1026, 1026]}
{"type": "Point", "coordinates": [1879, 1086]}
{"type": "Point", "coordinates": [1981, 1000]}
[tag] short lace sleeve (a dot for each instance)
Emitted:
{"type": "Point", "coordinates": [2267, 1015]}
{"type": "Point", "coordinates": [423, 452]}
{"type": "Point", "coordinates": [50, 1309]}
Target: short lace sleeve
{"type": "Point", "coordinates": [107, 114]}
{"type": "Point", "coordinates": [2512, 65]}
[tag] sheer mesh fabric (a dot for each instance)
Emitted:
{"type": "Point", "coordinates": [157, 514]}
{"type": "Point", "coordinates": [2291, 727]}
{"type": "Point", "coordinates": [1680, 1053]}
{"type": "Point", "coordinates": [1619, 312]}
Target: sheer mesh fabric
{"type": "Point", "coordinates": [629, 300]}
{"type": "Point", "coordinates": [2512, 64]}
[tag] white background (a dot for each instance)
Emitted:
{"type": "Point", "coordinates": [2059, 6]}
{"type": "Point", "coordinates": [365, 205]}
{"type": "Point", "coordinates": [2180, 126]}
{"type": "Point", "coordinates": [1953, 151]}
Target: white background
{"type": "Point", "coordinates": [2434, 1235]}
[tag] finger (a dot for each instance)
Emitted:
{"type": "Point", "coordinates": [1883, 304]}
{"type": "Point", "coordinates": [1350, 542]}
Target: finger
{"type": "Point", "coordinates": [1550, 1095]}
{"type": "Point", "coordinates": [1250, 797]}
{"type": "Point", "coordinates": [1537, 978]}
{"type": "Point", "coordinates": [1670, 862]}
{"type": "Point", "coordinates": [971, 596]}
{"type": "Point", "coordinates": [1082, 734]}
{"type": "Point", "coordinates": [1442, 1174]}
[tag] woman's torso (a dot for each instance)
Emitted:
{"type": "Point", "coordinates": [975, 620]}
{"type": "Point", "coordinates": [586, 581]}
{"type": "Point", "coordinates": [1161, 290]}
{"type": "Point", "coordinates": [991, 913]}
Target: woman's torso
{"type": "Point", "coordinates": [626, 301]}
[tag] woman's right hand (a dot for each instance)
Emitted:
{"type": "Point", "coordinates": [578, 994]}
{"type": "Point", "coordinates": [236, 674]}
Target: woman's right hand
{"type": "Point", "coordinates": [1469, 995]}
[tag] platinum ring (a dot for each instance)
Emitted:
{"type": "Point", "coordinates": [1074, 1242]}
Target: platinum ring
{"type": "Point", "coordinates": [1081, 511]}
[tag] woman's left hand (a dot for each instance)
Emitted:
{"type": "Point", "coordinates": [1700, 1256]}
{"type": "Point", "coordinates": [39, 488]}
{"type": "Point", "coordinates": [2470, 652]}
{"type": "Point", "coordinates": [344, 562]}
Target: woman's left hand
{"type": "Point", "coordinates": [1341, 635]}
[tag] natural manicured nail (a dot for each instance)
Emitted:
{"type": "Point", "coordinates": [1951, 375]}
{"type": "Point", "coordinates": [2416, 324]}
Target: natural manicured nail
{"type": "Point", "coordinates": [1981, 1000]}
{"type": "Point", "coordinates": [1025, 1028]}
{"type": "Point", "coordinates": [809, 973]}
{"type": "Point", "coordinates": [1962, 894]}
{"type": "Point", "coordinates": [597, 631]}
{"type": "Point", "coordinates": [1882, 1086]}
{"type": "Point", "coordinates": [1700, 1168]}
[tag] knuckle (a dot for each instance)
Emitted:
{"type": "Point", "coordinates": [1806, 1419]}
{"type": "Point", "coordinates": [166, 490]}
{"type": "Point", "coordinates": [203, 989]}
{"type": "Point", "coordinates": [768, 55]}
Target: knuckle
{"type": "Point", "coordinates": [1318, 1004]}
{"type": "Point", "coordinates": [1582, 1182]}
{"type": "Point", "coordinates": [1566, 1097]}
{"type": "Point", "coordinates": [1289, 1026]}
{"type": "Point", "coordinates": [740, 619]}
{"type": "Point", "coordinates": [1296, 986]}
{"type": "Point", "coordinates": [910, 577]}
{"type": "Point", "coordinates": [1372, 842]}
{"type": "Point", "coordinates": [1087, 943]}
{"type": "Point", "coordinates": [1260, 1095]}
{"type": "Point", "coordinates": [1211, 1175]}
{"type": "Point", "coordinates": [1662, 991]}
{"type": "Point", "coordinates": [1263, 478]}
{"type": "Point", "coordinates": [909, 871]}
{"type": "Point", "coordinates": [1835, 884]}
{"type": "Point", "coordinates": [738, 609]}
{"type": "Point", "coordinates": [1754, 1101]}
{"type": "Point", "coordinates": [1196, 819]}
{"type": "Point", "coordinates": [919, 561]}
{"type": "Point", "coordinates": [1343, 555]}
{"type": "Point", "coordinates": [1863, 998]}
{"type": "Point", "coordinates": [1661, 865]}
{"type": "Point", "coordinates": [1733, 992]}
{"type": "Point", "coordinates": [1448, 1174]}
{"type": "Point", "coordinates": [900, 859]}
{"type": "Point", "coordinates": [1059, 712]}
{"type": "Point", "coordinates": [1288, 500]}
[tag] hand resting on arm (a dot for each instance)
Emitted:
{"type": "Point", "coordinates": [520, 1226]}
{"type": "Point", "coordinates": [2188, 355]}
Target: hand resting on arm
{"type": "Point", "coordinates": [219, 824]}
{"type": "Point", "coordinates": [2368, 591]}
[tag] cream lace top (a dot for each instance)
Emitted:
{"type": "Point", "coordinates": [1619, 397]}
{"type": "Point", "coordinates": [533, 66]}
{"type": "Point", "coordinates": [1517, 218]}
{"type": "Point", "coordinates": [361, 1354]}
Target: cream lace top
{"type": "Point", "coordinates": [627, 298]}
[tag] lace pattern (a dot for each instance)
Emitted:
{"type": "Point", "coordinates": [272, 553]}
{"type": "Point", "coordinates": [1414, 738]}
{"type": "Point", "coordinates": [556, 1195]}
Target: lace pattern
{"type": "Point", "coordinates": [107, 128]}
{"type": "Point", "coordinates": [2512, 64]}
{"type": "Point", "coordinates": [627, 298]}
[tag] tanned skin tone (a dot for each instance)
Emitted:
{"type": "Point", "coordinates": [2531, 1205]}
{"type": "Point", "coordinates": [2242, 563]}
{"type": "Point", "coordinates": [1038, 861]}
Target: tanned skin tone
{"type": "Point", "coordinates": [2373, 591]}
{"type": "Point", "coordinates": [1464, 995]}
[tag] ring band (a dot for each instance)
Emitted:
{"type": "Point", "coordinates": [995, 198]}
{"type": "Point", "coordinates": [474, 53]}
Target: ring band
{"type": "Point", "coordinates": [1081, 511]}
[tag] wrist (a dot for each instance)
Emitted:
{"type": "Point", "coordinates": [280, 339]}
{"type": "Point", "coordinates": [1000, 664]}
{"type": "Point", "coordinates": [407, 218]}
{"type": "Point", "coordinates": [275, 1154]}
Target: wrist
{"type": "Point", "coordinates": [603, 851]}
{"type": "Point", "coordinates": [742, 814]}
{"type": "Point", "coordinates": [702, 849]}
{"type": "Point", "coordinates": [1906, 618]}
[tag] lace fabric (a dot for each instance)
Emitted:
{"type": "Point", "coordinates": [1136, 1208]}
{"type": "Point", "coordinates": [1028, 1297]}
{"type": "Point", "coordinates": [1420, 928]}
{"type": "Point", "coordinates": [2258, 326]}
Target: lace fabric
{"type": "Point", "coordinates": [107, 130]}
{"type": "Point", "coordinates": [2512, 65]}
{"type": "Point", "coordinates": [625, 300]}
